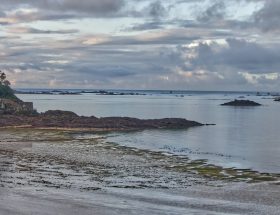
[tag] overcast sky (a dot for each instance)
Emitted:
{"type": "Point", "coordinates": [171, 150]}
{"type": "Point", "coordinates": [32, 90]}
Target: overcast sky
{"type": "Point", "coordinates": [141, 44]}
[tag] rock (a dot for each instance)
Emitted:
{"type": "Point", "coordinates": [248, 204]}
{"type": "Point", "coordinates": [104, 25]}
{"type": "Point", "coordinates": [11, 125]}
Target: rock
{"type": "Point", "coordinates": [69, 120]}
{"type": "Point", "coordinates": [241, 103]}
{"type": "Point", "coordinates": [60, 114]}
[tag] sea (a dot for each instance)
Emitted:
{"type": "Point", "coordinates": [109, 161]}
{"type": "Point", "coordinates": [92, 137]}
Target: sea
{"type": "Point", "coordinates": [242, 137]}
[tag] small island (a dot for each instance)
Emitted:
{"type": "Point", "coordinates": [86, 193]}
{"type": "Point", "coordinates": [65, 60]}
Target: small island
{"type": "Point", "coordinates": [241, 103]}
{"type": "Point", "coordinates": [14, 113]}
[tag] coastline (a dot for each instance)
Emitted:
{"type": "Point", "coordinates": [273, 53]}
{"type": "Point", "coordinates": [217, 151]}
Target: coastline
{"type": "Point", "coordinates": [68, 173]}
{"type": "Point", "coordinates": [57, 167]}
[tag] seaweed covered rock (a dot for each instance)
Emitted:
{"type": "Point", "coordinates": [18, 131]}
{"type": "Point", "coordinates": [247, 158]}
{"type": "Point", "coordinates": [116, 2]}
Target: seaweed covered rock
{"type": "Point", "coordinates": [242, 103]}
{"type": "Point", "coordinates": [60, 114]}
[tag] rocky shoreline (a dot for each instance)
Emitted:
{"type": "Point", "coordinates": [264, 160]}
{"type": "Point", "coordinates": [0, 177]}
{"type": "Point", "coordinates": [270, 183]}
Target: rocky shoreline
{"type": "Point", "coordinates": [66, 120]}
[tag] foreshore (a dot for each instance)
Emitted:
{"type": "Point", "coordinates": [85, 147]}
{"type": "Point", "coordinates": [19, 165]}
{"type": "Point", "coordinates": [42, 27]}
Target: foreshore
{"type": "Point", "coordinates": [58, 172]}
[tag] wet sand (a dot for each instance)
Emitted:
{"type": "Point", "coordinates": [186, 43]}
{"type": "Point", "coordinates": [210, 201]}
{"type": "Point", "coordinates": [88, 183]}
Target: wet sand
{"type": "Point", "coordinates": [249, 199]}
{"type": "Point", "coordinates": [51, 172]}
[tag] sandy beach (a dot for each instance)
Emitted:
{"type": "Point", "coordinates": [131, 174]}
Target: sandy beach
{"type": "Point", "coordinates": [51, 172]}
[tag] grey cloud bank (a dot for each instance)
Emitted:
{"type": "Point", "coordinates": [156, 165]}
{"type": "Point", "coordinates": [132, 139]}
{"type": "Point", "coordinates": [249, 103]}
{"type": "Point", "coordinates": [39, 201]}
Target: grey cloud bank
{"type": "Point", "coordinates": [200, 45]}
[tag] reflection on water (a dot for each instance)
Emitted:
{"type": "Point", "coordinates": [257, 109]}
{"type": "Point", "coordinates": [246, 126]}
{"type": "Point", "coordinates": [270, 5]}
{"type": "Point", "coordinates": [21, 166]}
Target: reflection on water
{"type": "Point", "coordinates": [243, 137]}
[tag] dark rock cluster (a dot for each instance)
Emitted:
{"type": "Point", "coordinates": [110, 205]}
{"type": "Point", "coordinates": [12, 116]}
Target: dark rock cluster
{"type": "Point", "coordinates": [69, 120]}
{"type": "Point", "coordinates": [241, 103]}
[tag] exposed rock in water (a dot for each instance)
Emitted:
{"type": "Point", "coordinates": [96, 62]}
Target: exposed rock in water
{"type": "Point", "coordinates": [68, 120]}
{"type": "Point", "coordinates": [241, 103]}
{"type": "Point", "coordinates": [277, 99]}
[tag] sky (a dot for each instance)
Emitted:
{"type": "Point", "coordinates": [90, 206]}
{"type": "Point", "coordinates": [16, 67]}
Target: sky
{"type": "Point", "coordinates": [141, 44]}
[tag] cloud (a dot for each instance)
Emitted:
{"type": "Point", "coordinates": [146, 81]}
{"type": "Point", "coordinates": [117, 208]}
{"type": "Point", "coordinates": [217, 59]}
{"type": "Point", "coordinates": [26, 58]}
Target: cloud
{"type": "Point", "coordinates": [31, 15]}
{"type": "Point", "coordinates": [29, 30]}
{"type": "Point", "coordinates": [141, 44]}
{"type": "Point", "coordinates": [157, 10]}
{"type": "Point", "coordinates": [239, 55]}
{"type": "Point", "coordinates": [141, 61]}
{"type": "Point", "coordinates": [146, 26]}
{"type": "Point", "coordinates": [267, 18]}
{"type": "Point", "coordinates": [163, 37]}
{"type": "Point", "coordinates": [214, 12]}
{"type": "Point", "coordinates": [16, 11]}
{"type": "Point", "coordinates": [92, 7]}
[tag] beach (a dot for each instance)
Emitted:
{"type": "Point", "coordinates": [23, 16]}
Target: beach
{"type": "Point", "coordinates": [55, 172]}
{"type": "Point", "coordinates": [218, 169]}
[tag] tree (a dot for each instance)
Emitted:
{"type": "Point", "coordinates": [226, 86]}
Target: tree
{"type": "Point", "coordinates": [5, 90]}
{"type": "Point", "coordinates": [3, 78]}
{"type": "Point", "coordinates": [6, 83]}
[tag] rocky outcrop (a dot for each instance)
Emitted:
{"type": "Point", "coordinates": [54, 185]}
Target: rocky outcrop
{"type": "Point", "coordinates": [15, 106]}
{"type": "Point", "coordinates": [69, 120]}
{"type": "Point", "coordinates": [9, 103]}
{"type": "Point", "coordinates": [60, 114]}
{"type": "Point", "coordinates": [242, 103]}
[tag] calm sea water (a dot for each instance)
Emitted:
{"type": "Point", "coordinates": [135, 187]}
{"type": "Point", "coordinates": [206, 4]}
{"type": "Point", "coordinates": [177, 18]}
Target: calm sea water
{"type": "Point", "coordinates": [242, 137]}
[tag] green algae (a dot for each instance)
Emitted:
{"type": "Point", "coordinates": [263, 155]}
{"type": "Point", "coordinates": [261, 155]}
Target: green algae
{"type": "Point", "coordinates": [228, 174]}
